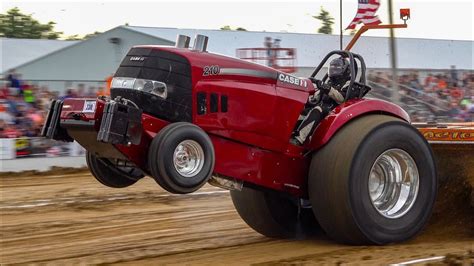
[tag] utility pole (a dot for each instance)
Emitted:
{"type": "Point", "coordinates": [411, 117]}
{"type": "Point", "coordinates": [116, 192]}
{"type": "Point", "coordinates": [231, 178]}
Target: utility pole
{"type": "Point", "coordinates": [393, 56]}
{"type": "Point", "coordinates": [340, 24]}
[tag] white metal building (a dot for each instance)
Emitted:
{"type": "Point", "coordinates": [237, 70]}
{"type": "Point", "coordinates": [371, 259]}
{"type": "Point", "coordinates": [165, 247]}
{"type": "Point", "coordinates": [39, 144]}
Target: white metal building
{"type": "Point", "coordinates": [16, 52]}
{"type": "Point", "coordinates": [96, 58]}
{"type": "Point", "coordinates": [311, 48]}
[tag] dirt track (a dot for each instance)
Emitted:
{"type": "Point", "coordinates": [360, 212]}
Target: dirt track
{"type": "Point", "coordinates": [73, 219]}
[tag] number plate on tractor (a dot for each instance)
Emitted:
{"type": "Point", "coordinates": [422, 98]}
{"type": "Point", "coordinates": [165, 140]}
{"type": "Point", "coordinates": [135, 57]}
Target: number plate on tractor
{"type": "Point", "coordinates": [89, 106]}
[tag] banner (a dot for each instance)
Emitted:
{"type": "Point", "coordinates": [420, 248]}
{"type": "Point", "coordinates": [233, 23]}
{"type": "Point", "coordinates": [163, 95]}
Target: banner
{"type": "Point", "coordinates": [22, 147]}
{"type": "Point", "coordinates": [38, 147]}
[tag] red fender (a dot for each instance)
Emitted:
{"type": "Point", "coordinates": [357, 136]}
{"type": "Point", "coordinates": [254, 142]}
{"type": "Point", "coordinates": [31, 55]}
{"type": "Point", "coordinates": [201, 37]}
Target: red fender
{"type": "Point", "coordinates": [348, 111]}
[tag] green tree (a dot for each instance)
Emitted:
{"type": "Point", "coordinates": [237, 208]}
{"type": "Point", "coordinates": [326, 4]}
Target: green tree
{"type": "Point", "coordinates": [227, 27]}
{"type": "Point", "coordinates": [76, 37]}
{"type": "Point", "coordinates": [90, 35]}
{"type": "Point", "coordinates": [15, 24]}
{"type": "Point", "coordinates": [326, 20]}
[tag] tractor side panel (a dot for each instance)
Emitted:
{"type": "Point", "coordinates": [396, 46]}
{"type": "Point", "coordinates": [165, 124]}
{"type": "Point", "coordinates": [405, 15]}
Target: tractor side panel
{"type": "Point", "coordinates": [247, 114]}
{"type": "Point", "coordinates": [347, 112]}
{"type": "Point", "coordinates": [264, 168]}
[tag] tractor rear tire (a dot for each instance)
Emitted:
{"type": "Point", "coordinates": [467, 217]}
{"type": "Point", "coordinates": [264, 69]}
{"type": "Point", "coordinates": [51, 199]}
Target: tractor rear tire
{"type": "Point", "coordinates": [273, 215]}
{"type": "Point", "coordinates": [350, 183]}
{"type": "Point", "coordinates": [109, 174]}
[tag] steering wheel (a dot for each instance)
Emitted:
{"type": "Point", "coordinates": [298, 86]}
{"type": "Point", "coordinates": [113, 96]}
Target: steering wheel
{"type": "Point", "coordinates": [320, 85]}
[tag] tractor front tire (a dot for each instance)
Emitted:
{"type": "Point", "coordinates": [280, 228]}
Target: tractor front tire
{"type": "Point", "coordinates": [374, 183]}
{"type": "Point", "coordinates": [181, 158]}
{"type": "Point", "coordinates": [272, 214]}
{"type": "Point", "coordinates": [109, 174]}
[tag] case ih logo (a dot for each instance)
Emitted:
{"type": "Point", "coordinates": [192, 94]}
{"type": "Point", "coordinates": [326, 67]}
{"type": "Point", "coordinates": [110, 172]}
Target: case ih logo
{"type": "Point", "coordinates": [137, 58]}
{"type": "Point", "coordinates": [291, 80]}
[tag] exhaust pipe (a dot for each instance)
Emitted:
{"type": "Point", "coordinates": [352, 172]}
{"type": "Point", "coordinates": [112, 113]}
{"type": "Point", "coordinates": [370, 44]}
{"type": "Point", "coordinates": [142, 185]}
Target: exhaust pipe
{"type": "Point", "coordinates": [182, 41]}
{"type": "Point", "coordinates": [200, 43]}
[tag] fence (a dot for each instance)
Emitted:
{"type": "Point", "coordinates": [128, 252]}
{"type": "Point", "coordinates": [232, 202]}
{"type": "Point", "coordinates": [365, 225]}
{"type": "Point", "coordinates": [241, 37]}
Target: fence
{"type": "Point", "coordinates": [37, 147]}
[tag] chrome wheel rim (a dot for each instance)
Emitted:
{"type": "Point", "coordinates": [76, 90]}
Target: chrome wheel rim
{"type": "Point", "coordinates": [393, 183]}
{"type": "Point", "coordinates": [188, 158]}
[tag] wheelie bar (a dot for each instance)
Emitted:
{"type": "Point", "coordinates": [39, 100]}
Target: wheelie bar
{"type": "Point", "coordinates": [52, 128]}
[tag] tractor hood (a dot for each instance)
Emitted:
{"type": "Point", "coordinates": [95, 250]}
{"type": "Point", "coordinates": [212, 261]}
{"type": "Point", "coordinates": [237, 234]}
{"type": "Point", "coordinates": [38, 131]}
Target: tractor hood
{"type": "Point", "coordinates": [180, 70]}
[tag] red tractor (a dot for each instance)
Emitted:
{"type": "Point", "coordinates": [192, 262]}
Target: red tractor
{"type": "Point", "coordinates": [186, 117]}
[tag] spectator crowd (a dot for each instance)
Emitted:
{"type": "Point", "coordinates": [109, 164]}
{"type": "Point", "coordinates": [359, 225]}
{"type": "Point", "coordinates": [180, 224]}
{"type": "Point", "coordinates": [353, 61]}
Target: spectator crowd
{"type": "Point", "coordinates": [23, 105]}
{"type": "Point", "coordinates": [446, 96]}
{"type": "Point", "coordinates": [439, 95]}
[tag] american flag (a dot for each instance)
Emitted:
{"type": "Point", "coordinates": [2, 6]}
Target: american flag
{"type": "Point", "coordinates": [366, 14]}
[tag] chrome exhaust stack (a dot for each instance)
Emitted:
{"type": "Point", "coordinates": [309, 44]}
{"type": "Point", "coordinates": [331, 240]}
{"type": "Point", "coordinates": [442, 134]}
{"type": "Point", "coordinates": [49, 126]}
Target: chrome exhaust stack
{"type": "Point", "coordinates": [200, 43]}
{"type": "Point", "coordinates": [182, 41]}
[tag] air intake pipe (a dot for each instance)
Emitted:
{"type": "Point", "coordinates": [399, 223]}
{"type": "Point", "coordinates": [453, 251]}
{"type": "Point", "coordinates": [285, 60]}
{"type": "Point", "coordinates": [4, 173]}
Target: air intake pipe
{"type": "Point", "coordinates": [200, 43]}
{"type": "Point", "coordinates": [182, 41]}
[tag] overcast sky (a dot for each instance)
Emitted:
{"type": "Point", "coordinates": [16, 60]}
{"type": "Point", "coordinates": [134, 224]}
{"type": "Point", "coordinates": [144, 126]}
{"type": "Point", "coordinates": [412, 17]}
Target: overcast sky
{"type": "Point", "coordinates": [430, 19]}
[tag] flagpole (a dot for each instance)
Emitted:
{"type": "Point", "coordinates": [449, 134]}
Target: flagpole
{"type": "Point", "coordinates": [340, 24]}
{"type": "Point", "coordinates": [393, 55]}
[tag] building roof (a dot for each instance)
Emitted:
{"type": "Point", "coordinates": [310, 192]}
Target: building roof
{"type": "Point", "coordinates": [311, 48]}
{"type": "Point", "coordinates": [16, 52]}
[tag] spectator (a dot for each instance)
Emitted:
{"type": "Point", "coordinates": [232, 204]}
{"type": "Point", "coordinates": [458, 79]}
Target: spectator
{"type": "Point", "coordinates": [446, 95]}
{"type": "Point", "coordinates": [267, 43]}
{"type": "Point", "coordinates": [29, 95]}
{"type": "Point", "coordinates": [464, 114]}
{"type": "Point", "coordinates": [450, 90]}
{"type": "Point", "coordinates": [454, 76]}
{"type": "Point", "coordinates": [69, 94]}
{"type": "Point", "coordinates": [81, 91]}
{"type": "Point", "coordinates": [14, 83]}
{"type": "Point", "coordinates": [8, 131]}
{"type": "Point", "coordinates": [442, 84]}
{"type": "Point", "coordinates": [5, 116]}
{"type": "Point", "coordinates": [4, 92]}
{"type": "Point", "coordinates": [454, 110]}
{"type": "Point", "coordinates": [91, 92]}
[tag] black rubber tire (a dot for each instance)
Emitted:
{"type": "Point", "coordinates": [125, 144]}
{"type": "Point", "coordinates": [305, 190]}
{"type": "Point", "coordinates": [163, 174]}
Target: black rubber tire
{"type": "Point", "coordinates": [152, 156]}
{"type": "Point", "coordinates": [109, 175]}
{"type": "Point", "coordinates": [160, 158]}
{"type": "Point", "coordinates": [338, 178]}
{"type": "Point", "coordinates": [274, 215]}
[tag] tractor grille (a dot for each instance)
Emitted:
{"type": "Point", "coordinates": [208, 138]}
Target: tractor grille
{"type": "Point", "coordinates": [170, 68]}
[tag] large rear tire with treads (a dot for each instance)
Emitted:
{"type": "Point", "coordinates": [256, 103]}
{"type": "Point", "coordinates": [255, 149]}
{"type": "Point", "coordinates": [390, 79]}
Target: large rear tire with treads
{"type": "Point", "coordinates": [272, 214]}
{"type": "Point", "coordinates": [374, 183]}
{"type": "Point", "coordinates": [109, 174]}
